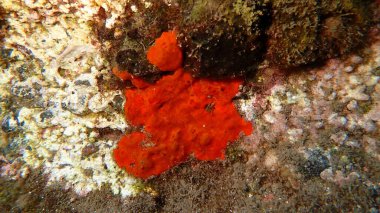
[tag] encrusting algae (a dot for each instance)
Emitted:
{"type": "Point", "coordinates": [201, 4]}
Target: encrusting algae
{"type": "Point", "coordinates": [181, 116]}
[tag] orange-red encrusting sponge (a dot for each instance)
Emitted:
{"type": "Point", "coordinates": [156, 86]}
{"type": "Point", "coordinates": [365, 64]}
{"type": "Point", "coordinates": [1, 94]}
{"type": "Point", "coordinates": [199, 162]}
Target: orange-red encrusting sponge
{"type": "Point", "coordinates": [181, 116]}
{"type": "Point", "coordinates": [124, 75]}
{"type": "Point", "coordinates": [165, 53]}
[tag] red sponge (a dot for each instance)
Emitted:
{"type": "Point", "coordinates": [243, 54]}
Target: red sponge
{"type": "Point", "coordinates": [181, 116]}
{"type": "Point", "coordinates": [165, 53]}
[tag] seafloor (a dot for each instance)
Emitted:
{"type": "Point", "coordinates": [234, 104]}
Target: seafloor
{"type": "Point", "coordinates": [315, 144]}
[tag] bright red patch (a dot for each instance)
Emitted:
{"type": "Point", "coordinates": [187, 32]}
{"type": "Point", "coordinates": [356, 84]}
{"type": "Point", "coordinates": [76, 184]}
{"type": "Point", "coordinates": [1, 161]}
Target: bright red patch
{"type": "Point", "coordinates": [181, 116]}
{"type": "Point", "coordinates": [165, 53]}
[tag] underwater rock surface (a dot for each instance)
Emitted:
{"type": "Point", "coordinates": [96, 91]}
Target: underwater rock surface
{"type": "Point", "coordinates": [231, 38]}
{"type": "Point", "coordinates": [303, 32]}
{"type": "Point", "coordinates": [311, 91]}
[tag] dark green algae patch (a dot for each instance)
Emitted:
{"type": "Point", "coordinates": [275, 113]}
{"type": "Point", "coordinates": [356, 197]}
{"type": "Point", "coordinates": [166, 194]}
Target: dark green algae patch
{"type": "Point", "coordinates": [231, 38]}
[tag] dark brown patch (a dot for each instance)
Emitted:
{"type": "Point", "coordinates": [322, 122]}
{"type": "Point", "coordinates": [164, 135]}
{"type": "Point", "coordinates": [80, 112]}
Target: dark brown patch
{"type": "Point", "coordinates": [89, 150]}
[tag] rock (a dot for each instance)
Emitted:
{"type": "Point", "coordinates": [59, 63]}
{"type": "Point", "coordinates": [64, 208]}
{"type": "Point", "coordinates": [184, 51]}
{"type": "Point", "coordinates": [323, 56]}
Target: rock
{"type": "Point", "coordinates": [223, 39]}
{"type": "Point", "coordinates": [348, 69]}
{"type": "Point", "coordinates": [319, 124]}
{"type": "Point", "coordinates": [339, 137]}
{"type": "Point", "coordinates": [355, 80]}
{"type": "Point", "coordinates": [77, 100]}
{"type": "Point", "coordinates": [353, 143]}
{"type": "Point", "coordinates": [89, 150]}
{"type": "Point", "coordinates": [9, 124]}
{"type": "Point", "coordinates": [315, 164]}
{"type": "Point", "coordinates": [337, 120]}
{"type": "Point", "coordinates": [358, 93]}
{"type": "Point", "coordinates": [269, 117]}
{"type": "Point", "coordinates": [327, 174]}
{"type": "Point", "coordinates": [356, 59]}
{"type": "Point", "coordinates": [368, 125]}
{"type": "Point", "coordinates": [328, 76]}
{"type": "Point", "coordinates": [118, 102]}
{"type": "Point", "coordinates": [294, 39]}
{"type": "Point", "coordinates": [352, 105]}
{"type": "Point", "coordinates": [82, 82]}
{"type": "Point", "coordinates": [295, 134]}
{"type": "Point", "coordinates": [46, 115]}
{"type": "Point", "coordinates": [230, 38]}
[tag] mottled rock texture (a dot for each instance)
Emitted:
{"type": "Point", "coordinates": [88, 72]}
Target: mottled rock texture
{"type": "Point", "coordinates": [231, 38]}
{"type": "Point", "coordinates": [315, 145]}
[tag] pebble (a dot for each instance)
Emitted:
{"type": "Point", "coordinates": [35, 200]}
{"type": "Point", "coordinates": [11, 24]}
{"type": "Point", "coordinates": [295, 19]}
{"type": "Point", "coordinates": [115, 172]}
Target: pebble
{"type": "Point", "coordinates": [354, 144]}
{"type": "Point", "coordinates": [356, 59]}
{"type": "Point", "coordinates": [327, 174]}
{"type": "Point", "coordinates": [89, 150]}
{"type": "Point", "coordinates": [355, 80]}
{"type": "Point", "coordinates": [9, 124]}
{"type": "Point", "coordinates": [332, 96]}
{"type": "Point", "coordinates": [358, 94]}
{"type": "Point", "coordinates": [269, 118]}
{"type": "Point", "coordinates": [76, 103]}
{"type": "Point", "coordinates": [82, 82]}
{"type": "Point", "coordinates": [352, 123]}
{"type": "Point", "coordinates": [352, 105]}
{"type": "Point", "coordinates": [311, 77]}
{"type": "Point", "coordinates": [295, 134]}
{"type": "Point", "coordinates": [336, 120]}
{"type": "Point", "coordinates": [319, 124]}
{"type": "Point", "coordinates": [368, 125]}
{"type": "Point", "coordinates": [271, 160]}
{"type": "Point", "coordinates": [348, 69]}
{"type": "Point", "coordinates": [46, 115]}
{"type": "Point", "coordinates": [374, 113]}
{"type": "Point", "coordinates": [269, 136]}
{"type": "Point", "coordinates": [372, 81]}
{"type": "Point", "coordinates": [328, 76]}
{"type": "Point", "coordinates": [316, 163]}
{"type": "Point", "coordinates": [98, 103]}
{"type": "Point", "coordinates": [339, 137]}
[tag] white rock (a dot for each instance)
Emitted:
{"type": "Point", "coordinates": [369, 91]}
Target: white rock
{"type": "Point", "coordinates": [294, 134]}
{"type": "Point", "coordinates": [356, 59]}
{"type": "Point", "coordinates": [348, 69]}
{"type": "Point", "coordinates": [268, 117]}
{"type": "Point", "coordinates": [353, 144]}
{"type": "Point", "coordinates": [328, 76]}
{"type": "Point", "coordinates": [319, 124]}
{"type": "Point", "coordinates": [327, 174]}
{"type": "Point", "coordinates": [352, 122]}
{"type": "Point", "coordinates": [355, 80]}
{"type": "Point", "coordinates": [372, 81]}
{"type": "Point", "coordinates": [358, 93]}
{"type": "Point", "coordinates": [271, 160]}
